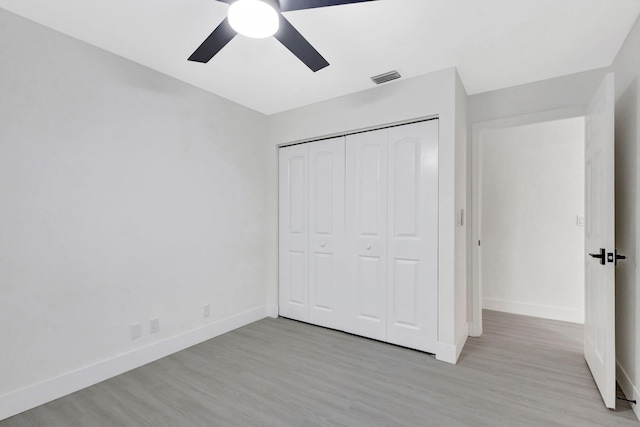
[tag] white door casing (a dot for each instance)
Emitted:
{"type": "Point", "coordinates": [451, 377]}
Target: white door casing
{"type": "Point", "coordinates": [366, 224]}
{"type": "Point", "coordinates": [293, 232]}
{"type": "Point", "coordinates": [327, 298]}
{"type": "Point", "coordinates": [412, 251]}
{"type": "Point", "coordinates": [599, 327]}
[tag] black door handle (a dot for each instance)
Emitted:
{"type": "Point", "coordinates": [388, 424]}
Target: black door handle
{"type": "Point", "coordinates": [601, 256]}
{"type": "Point", "coordinates": [617, 257]}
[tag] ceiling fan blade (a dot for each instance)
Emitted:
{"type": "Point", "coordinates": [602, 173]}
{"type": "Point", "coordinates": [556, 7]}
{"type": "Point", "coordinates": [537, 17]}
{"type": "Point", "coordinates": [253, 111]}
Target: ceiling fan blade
{"type": "Point", "coordinates": [287, 5]}
{"type": "Point", "coordinates": [299, 46]}
{"type": "Point", "coordinates": [212, 44]}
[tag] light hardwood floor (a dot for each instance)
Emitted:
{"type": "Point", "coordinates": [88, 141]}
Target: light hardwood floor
{"type": "Point", "coordinates": [277, 372]}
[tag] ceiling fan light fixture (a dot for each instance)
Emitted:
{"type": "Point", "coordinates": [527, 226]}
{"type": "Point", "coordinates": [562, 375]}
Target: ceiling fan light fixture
{"type": "Point", "coordinates": [253, 18]}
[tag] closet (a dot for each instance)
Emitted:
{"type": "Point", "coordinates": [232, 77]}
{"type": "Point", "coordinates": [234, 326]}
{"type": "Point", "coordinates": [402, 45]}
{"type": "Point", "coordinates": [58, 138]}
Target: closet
{"type": "Point", "coordinates": [358, 234]}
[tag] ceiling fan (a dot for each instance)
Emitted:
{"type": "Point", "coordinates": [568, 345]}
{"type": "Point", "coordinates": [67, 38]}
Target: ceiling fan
{"type": "Point", "coordinates": [263, 18]}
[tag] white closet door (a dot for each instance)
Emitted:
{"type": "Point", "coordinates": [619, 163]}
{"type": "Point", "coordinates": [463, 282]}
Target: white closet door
{"type": "Point", "coordinates": [326, 233]}
{"type": "Point", "coordinates": [366, 210]}
{"type": "Point", "coordinates": [412, 279]}
{"type": "Point", "coordinates": [293, 232]}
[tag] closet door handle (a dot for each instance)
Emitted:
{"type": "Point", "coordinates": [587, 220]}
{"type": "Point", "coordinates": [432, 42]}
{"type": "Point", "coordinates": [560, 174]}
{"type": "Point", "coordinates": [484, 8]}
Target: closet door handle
{"type": "Point", "coordinates": [322, 244]}
{"type": "Point", "coordinates": [368, 247]}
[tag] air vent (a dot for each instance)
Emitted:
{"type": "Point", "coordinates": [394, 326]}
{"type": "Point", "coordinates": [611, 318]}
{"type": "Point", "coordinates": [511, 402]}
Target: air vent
{"type": "Point", "coordinates": [386, 77]}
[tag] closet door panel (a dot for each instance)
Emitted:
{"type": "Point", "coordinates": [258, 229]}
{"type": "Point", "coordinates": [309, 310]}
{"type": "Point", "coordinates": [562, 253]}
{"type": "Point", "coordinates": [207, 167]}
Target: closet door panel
{"type": "Point", "coordinates": [412, 279]}
{"type": "Point", "coordinates": [326, 233]}
{"type": "Point", "coordinates": [366, 215]}
{"type": "Point", "coordinates": [293, 232]}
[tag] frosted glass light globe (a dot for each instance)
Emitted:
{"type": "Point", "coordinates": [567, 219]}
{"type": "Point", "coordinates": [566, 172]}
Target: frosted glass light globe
{"type": "Point", "coordinates": [253, 18]}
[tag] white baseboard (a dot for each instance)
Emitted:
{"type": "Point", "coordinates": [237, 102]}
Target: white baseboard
{"type": "Point", "coordinates": [526, 309]}
{"type": "Point", "coordinates": [29, 397]}
{"type": "Point", "coordinates": [628, 388]}
{"type": "Point", "coordinates": [451, 352]}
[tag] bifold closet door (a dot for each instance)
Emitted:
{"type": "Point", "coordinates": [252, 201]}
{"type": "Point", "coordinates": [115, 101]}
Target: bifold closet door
{"type": "Point", "coordinates": [366, 225]}
{"type": "Point", "coordinates": [359, 234]}
{"type": "Point", "coordinates": [293, 232]}
{"type": "Point", "coordinates": [326, 233]}
{"type": "Point", "coordinates": [412, 251]}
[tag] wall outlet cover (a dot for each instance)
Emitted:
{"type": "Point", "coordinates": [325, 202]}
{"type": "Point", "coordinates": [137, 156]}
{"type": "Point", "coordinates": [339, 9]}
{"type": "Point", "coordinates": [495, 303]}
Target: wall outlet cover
{"type": "Point", "coordinates": [154, 326]}
{"type": "Point", "coordinates": [136, 331]}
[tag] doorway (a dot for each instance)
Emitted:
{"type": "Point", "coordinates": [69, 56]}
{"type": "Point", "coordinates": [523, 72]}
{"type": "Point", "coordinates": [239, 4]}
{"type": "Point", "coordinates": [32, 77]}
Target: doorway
{"type": "Point", "coordinates": [532, 220]}
{"type": "Point", "coordinates": [528, 217]}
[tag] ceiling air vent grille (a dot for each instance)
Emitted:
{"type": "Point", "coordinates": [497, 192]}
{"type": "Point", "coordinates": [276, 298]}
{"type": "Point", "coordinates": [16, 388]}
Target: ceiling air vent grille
{"type": "Point", "coordinates": [386, 77]}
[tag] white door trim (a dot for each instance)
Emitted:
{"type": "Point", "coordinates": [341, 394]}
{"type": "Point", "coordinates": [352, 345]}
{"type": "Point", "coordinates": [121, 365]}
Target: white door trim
{"type": "Point", "coordinates": [474, 298]}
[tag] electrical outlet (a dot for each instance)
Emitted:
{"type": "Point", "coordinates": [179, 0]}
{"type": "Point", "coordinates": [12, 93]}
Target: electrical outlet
{"type": "Point", "coordinates": [136, 331]}
{"type": "Point", "coordinates": [154, 326]}
{"type": "Point", "coordinates": [206, 310]}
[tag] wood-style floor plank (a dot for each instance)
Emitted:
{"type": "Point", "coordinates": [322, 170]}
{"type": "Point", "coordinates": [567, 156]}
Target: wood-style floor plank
{"type": "Point", "coordinates": [276, 372]}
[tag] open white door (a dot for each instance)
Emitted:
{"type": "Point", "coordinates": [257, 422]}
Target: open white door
{"type": "Point", "coordinates": [599, 326]}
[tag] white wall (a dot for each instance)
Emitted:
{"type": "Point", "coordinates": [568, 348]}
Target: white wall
{"type": "Point", "coordinates": [126, 195]}
{"type": "Point", "coordinates": [627, 74]}
{"type": "Point", "coordinates": [574, 90]}
{"type": "Point", "coordinates": [429, 95]}
{"type": "Point", "coordinates": [532, 192]}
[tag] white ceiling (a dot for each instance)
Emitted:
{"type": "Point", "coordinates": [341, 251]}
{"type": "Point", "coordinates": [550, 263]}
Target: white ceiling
{"type": "Point", "coordinates": [493, 43]}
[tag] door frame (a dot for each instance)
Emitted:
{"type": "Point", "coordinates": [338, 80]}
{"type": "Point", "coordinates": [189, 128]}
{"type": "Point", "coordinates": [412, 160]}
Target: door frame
{"type": "Point", "coordinates": [474, 296]}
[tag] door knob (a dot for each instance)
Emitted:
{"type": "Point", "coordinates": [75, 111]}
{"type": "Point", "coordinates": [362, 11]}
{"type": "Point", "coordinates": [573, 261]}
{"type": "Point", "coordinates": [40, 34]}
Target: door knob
{"type": "Point", "coordinates": [614, 257]}
{"type": "Point", "coordinates": [601, 256]}
{"type": "Point", "coordinates": [368, 247]}
{"type": "Point", "coordinates": [321, 244]}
